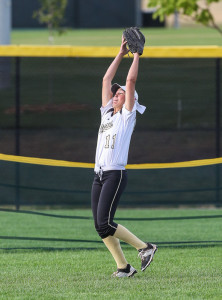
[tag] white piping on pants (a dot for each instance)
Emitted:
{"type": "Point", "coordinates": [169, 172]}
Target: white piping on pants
{"type": "Point", "coordinates": [114, 199]}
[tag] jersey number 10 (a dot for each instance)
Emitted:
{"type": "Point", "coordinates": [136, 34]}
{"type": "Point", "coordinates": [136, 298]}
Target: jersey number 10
{"type": "Point", "coordinates": [112, 141]}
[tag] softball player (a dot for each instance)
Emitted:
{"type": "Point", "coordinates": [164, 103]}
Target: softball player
{"type": "Point", "coordinates": [118, 118]}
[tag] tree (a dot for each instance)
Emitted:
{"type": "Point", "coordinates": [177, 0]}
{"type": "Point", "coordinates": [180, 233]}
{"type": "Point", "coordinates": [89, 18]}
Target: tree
{"type": "Point", "coordinates": [199, 11]}
{"type": "Point", "coordinates": [51, 13]}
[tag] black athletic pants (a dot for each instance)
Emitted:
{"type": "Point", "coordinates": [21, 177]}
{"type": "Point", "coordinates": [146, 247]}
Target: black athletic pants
{"type": "Point", "coordinates": [106, 192]}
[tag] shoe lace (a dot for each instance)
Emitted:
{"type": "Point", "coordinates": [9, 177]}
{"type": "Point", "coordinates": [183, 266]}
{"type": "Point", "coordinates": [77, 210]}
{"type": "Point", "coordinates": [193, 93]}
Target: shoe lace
{"type": "Point", "coordinates": [140, 254]}
{"type": "Point", "coordinates": [143, 253]}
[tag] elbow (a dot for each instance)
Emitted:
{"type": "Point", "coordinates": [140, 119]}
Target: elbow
{"type": "Point", "coordinates": [131, 81]}
{"type": "Point", "coordinates": [106, 79]}
{"type": "Point", "coordinates": [106, 83]}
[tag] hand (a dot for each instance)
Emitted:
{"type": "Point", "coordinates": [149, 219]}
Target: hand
{"type": "Point", "coordinates": [123, 49]}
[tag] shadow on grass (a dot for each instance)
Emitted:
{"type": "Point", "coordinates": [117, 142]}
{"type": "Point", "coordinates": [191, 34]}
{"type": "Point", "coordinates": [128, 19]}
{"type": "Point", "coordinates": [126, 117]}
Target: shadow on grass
{"type": "Point", "coordinates": [174, 244]}
{"type": "Point", "coordinates": [117, 219]}
{"type": "Point", "coordinates": [54, 249]}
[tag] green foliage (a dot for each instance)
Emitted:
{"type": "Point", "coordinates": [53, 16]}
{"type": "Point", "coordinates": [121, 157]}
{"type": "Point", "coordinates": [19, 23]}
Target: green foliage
{"type": "Point", "coordinates": [51, 13]}
{"type": "Point", "coordinates": [204, 17]}
{"type": "Point", "coordinates": [200, 13]}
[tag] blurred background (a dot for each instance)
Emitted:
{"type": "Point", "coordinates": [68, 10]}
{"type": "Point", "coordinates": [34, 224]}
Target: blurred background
{"type": "Point", "coordinates": [104, 14]}
{"type": "Point", "coordinates": [49, 106]}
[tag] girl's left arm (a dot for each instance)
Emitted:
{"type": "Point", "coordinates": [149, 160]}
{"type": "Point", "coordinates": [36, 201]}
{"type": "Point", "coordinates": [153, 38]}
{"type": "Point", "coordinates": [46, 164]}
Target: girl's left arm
{"type": "Point", "coordinates": [131, 82]}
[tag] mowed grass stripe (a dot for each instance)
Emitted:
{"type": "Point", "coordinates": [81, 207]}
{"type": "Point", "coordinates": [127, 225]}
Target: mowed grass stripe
{"type": "Point", "coordinates": [197, 35]}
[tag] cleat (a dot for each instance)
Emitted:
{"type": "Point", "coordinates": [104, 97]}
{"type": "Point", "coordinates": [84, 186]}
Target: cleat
{"type": "Point", "coordinates": [146, 255]}
{"type": "Point", "coordinates": [129, 271]}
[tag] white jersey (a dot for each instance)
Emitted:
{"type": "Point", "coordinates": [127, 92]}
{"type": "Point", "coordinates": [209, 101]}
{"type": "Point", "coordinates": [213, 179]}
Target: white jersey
{"type": "Point", "coordinates": [114, 137]}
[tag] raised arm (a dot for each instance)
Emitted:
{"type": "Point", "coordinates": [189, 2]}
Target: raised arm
{"type": "Point", "coordinates": [110, 73]}
{"type": "Point", "coordinates": [131, 82]}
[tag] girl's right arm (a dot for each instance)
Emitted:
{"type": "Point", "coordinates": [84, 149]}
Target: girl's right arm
{"type": "Point", "coordinates": [110, 73]}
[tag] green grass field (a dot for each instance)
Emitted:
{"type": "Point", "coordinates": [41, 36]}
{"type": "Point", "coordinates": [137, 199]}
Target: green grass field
{"type": "Point", "coordinates": [63, 258]}
{"type": "Point", "coordinates": [197, 36]}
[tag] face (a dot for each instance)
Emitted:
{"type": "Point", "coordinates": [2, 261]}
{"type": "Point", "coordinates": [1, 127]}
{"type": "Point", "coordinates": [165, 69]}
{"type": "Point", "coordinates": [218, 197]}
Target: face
{"type": "Point", "coordinates": [119, 99]}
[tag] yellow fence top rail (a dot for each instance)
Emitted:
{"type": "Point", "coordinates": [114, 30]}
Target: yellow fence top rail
{"type": "Point", "coordinates": [77, 51]}
{"type": "Point", "coordinates": [63, 163]}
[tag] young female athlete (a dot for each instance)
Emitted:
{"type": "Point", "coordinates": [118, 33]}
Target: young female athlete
{"type": "Point", "coordinates": [118, 118]}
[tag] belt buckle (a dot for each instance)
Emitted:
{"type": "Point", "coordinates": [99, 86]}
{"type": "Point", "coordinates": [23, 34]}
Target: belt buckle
{"type": "Point", "coordinates": [100, 173]}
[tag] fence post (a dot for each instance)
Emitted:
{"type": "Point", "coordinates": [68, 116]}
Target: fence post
{"type": "Point", "coordinates": [218, 107]}
{"type": "Point", "coordinates": [17, 131]}
{"type": "Point", "coordinates": [218, 129]}
{"type": "Point", "coordinates": [5, 22]}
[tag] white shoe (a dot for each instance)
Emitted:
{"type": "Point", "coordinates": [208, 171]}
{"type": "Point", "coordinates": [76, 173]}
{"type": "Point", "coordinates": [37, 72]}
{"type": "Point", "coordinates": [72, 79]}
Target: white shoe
{"type": "Point", "coordinates": [129, 271]}
{"type": "Point", "coordinates": [146, 255]}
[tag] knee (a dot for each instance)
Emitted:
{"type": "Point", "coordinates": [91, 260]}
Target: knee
{"type": "Point", "coordinates": [104, 230]}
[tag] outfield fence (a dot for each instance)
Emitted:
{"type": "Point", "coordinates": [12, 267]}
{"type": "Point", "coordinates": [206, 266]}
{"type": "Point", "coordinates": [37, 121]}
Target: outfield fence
{"type": "Point", "coordinates": [37, 182]}
{"type": "Point", "coordinates": [49, 108]}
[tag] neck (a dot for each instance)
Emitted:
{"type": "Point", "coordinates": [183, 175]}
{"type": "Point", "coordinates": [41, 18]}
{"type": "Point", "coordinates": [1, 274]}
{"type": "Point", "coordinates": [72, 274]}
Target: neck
{"type": "Point", "coordinates": [116, 110]}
